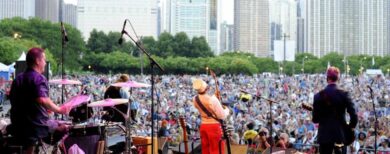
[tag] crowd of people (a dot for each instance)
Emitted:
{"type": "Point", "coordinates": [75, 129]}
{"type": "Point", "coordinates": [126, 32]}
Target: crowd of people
{"type": "Point", "coordinates": [249, 122]}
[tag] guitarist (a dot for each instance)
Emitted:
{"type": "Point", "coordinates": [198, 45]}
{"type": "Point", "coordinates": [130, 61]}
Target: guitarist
{"type": "Point", "coordinates": [329, 109]}
{"type": "Point", "coordinates": [210, 128]}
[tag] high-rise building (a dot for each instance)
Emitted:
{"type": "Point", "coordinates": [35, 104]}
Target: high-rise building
{"type": "Point", "coordinates": [69, 13]}
{"type": "Point", "coordinates": [283, 13]}
{"type": "Point", "coordinates": [227, 32]}
{"type": "Point", "coordinates": [109, 16]}
{"type": "Point", "coordinates": [166, 16]}
{"type": "Point", "coordinates": [300, 25]}
{"type": "Point", "coordinates": [48, 10]}
{"type": "Point", "coordinates": [196, 18]}
{"type": "Point", "coordinates": [191, 17]}
{"type": "Point", "coordinates": [17, 8]}
{"type": "Point", "coordinates": [348, 27]}
{"type": "Point", "coordinates": [373, 27]}
{"type": "Point", "coordinates": [251, 27]}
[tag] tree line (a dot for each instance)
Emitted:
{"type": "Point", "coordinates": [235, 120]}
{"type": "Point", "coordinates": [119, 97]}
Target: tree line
{"type": "Point", "coordinates": [178, 53]}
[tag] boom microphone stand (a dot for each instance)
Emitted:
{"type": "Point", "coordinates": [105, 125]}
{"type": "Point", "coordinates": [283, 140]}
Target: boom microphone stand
{"type": "Point", "coordinates": [376, 118]}
{"type": "Point", "coordinates": [153, 64]}
{"type": "Point", "coordinates": [270, 118]}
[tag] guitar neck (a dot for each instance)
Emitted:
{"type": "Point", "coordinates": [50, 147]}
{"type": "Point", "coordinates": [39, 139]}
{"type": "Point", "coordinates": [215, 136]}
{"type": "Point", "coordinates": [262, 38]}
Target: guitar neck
{"type": "Point", "coordinates": [185, 137]}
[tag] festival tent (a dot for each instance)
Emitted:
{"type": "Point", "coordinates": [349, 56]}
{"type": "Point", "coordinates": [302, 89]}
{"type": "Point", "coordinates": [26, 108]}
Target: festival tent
{"type": "Point", "coordinates": [374, 72]}
{"type": "Point", "coordinates": [6, 71]}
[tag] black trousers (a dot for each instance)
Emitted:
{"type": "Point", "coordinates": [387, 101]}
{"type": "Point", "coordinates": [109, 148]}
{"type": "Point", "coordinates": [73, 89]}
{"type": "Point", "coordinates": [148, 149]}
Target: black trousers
{"type": "Point", "coordinates": [329, 148]}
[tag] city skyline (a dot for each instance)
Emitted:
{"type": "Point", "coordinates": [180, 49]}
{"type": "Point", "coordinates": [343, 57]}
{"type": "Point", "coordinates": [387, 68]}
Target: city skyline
{"type": "Point", "coordinates": [348, 27]}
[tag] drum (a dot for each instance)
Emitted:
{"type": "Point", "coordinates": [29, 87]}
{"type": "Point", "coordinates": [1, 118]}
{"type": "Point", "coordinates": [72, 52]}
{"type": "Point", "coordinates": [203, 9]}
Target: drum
{"type": "Point", "coordinates": [84, 129]}
{"type": "Point", "coordinates": [81, 113]}
{"type": "Point", "coordinates": [86, 137]}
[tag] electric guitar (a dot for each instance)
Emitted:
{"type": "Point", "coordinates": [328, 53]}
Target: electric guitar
{"type": "Point", "coordinates": [185, 137]}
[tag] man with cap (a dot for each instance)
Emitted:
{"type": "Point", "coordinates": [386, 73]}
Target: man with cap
{"type": "Point", "coordinates": [329, 109]}
{"type": "Point", "coordinates": [210, 110]}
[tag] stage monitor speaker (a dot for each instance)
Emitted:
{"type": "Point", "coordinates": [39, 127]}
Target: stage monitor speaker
{"type": "Point", "coordinates": [21, 66]}
{"type": "Point", "coordinates": [193, 147]}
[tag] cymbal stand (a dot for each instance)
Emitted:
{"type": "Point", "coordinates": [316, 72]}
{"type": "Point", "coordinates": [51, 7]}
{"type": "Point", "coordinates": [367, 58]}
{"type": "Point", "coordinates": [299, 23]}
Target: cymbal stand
{"type": "Point", "coordinates": [128, 139]}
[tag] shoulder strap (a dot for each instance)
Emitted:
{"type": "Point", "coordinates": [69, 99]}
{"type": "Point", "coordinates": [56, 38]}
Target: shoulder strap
{"type": "Point", "coordinates": [197, 100]}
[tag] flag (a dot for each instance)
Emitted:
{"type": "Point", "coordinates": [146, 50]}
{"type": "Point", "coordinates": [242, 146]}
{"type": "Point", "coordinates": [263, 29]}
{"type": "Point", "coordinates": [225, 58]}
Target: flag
{"type": "Point", "coordinates": [373, 61]}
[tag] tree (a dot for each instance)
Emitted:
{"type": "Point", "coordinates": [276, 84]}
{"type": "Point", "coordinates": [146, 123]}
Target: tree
{"type": "Point", "coordinates": [200, 48]}
{"type": "Point", "coordinates": [165, 45]}
{"type": "Point", "coordinates": [96, 41]}
{"type": "Point", "coordinates": [101, 42]}
{"type": "Point", "coordinates": [182, 45]}
{"type": "Point", "coordinates": [48, 35]}
{"type": "Point", "coordinates": [11, 49]}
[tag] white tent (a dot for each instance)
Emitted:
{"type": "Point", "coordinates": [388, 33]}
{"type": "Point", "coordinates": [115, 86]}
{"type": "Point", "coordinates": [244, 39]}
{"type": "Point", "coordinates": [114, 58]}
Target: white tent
{"type": "Point", "coordinates": [22, 57]}
{"type": "Point", "coordinates": [374, 72]}
{"type": "Point", "coordinates": [4, 67]}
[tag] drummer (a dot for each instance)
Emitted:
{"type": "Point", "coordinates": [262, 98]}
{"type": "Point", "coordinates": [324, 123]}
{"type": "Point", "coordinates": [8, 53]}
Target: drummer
{"type": "Point", "coordinates": [30, 104]}
{"type": "Point", "coordinates": [117, 92]}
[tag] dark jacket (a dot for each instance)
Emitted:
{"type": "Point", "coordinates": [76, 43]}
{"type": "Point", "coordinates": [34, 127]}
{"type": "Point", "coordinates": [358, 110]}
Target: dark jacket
{"type": "Point", "coordinates": [329, 111]}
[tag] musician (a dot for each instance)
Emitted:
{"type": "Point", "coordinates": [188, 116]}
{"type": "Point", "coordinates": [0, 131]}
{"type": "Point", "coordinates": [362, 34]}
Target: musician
{"type": "Point", "coordinates": [210, 128]}
{"type": "Point", "coordinates": [30, 104]}
{"type": "Point", "coordinates": [329, 111]}
{"type": "Point", "coordinates": [117, 92]}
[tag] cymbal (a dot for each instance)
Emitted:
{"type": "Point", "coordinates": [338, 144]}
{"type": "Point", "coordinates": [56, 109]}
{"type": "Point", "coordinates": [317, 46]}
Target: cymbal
{"type": "Point", "coordinates": [64, 81]}
{"type": "Point", "coordinates": [108, 102]}
{"type": "Point", "coordinates": [77, 100]}
{"type": "Point", "coordinates": [130, 84]}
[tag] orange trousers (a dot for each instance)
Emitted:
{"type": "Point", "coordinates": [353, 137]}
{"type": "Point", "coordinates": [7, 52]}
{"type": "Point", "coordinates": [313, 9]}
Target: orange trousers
{"type": "Point", "coordinates": [211, 139]}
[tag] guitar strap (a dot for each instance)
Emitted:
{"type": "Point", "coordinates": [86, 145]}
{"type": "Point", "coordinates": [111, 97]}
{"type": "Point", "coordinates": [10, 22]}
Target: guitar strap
{"type": "Point", "coordinates": [204, 109]}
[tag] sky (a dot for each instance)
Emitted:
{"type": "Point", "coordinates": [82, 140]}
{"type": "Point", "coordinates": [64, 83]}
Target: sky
{"type": "Point", "coordinates": [227, 11]}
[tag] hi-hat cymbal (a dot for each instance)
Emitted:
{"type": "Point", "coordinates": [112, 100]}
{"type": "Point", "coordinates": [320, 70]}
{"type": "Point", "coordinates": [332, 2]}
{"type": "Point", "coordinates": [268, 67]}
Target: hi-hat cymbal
{"type": "Point", "coordinates": [130, 84]}
{"type": "Point", "coordinates": [77, 100]}
{"type": "Point", "coordinates": [64, 81]}
{"type": "Point", "coordinates": [108, 102]}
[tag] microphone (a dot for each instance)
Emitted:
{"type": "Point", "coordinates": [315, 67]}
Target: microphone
{"type": "Point", "coordinates": [64, 34]}
{"type": "Point", "coordinates": [120, 41]}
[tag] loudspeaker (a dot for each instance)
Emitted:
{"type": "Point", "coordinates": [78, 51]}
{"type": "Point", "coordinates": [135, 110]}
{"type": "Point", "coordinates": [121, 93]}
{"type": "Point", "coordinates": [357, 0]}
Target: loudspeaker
{"type": "Point", "coordinates": [21, 66]}
{"type": "Point", "coordinates": [193, 147]}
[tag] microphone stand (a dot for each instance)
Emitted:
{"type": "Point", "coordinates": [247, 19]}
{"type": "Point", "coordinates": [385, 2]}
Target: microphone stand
{"type": "Point", "coordinates": [64, 40]}
{"type": "Point", "coordinates": [376, 120]}
{"type": "Point", "coordinates": [153, 64]}
{"type": "Point", "coordinates": [270, 119]}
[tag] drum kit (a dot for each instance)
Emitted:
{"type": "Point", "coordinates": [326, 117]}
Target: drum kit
{"type": "Point", "coordinates": [89, 131]}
